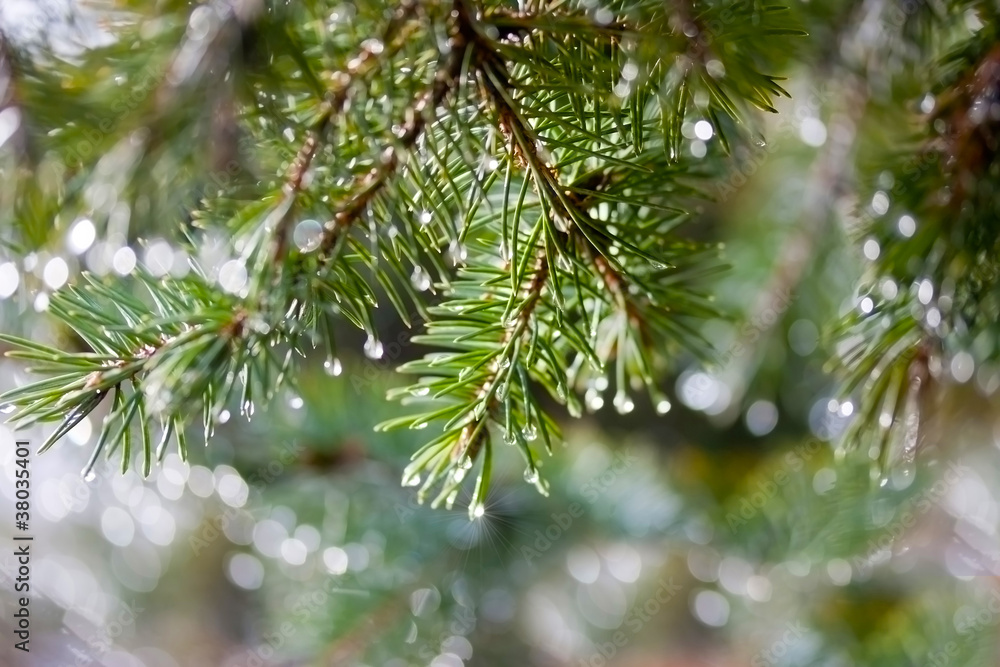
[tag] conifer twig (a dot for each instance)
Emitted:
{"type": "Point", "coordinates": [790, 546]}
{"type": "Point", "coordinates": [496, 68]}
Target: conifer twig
{"type": "Point", "coordinates": [362, 65]}
{"type": "Point", "coordinates": [471, 439]}
{"type": "Point", "coordinates": [365, 188]}
{"type": "Point", "coordinates": [525, 147]}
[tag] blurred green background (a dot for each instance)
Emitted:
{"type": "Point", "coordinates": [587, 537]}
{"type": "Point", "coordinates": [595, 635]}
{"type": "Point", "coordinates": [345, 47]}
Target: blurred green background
{"type": "Point", "coordinates": [724, 533]}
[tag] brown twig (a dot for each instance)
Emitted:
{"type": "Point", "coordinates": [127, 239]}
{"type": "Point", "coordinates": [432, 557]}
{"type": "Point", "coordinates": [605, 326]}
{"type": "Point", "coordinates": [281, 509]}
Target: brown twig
{"type": "Point", "coordinates": [366, 187]}
{"type": "Point", "coordinates": [569, 208]}
{"type": "Point", "coordinates": [365, 62]}
{"type": "Point", "coordinates": [471, 439]}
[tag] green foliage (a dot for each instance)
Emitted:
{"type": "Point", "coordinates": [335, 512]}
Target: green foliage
{"type": "Point", "coordinates": [509, 180]}
{"type": "Point", "coordinates": [930, 298]}
{"type": "Point", "coordinates": [521, 166]}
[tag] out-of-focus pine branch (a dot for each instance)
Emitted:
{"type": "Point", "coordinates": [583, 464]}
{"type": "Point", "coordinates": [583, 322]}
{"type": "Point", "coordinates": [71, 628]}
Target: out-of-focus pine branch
{"type": "Point", "coordinates": [928, 309]}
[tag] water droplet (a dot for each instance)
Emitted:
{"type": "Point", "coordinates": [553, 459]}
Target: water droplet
{"type": "Point", "coordinates": [6, 408]}
{"type": "Point", "coordinates": [296, 402]}
{"type": "Point", "coordinates": [509, 437]}
{"type": "Point", "coordinates": [333, 367]}
{"type": "Point", "coordinates": [478, 510]}
{"type": "Point", "coordinates": [307, 235]}
{"type": "Point", "coordinates": [531, 475]}
{"type": "Point", "coordinates": [573, 405]}
{"type": "Point", "coordinates": [412, 480]}
{"type": "Point", "coordinates": [704, 130]}
{"type": "Point", "coordinates": [927, 103]}
{"type": "Point", "coordinates": [457, 253]}
{"type": "Point", "coordinates": [529, 432]}
{"type": "Point", "coordinates": [623, 404]}
{"type": "Point", "coordinates": [662, 406]}
{"type": "Point", "coordinates": [458, 475]}
{"type": "Point", "coordinates": [420, 391]}
{"type": "Point", "coordinates": [373, 45]}
{"type": "Point", "coordinates": [903, 475]}
{"type": "Point", "coordinates": [232, 276]}
{"type": "Point", "coordinates": [373, 348]}
{"type": "Point", "coordinates": [425, 218]}
{"type": "Point", "coordinates": [449, 502]}
{"type": "Point", "coordinates": [420, 426]}
{"type": "Point", "coordinates": [871, 249]}
{"type": "Point", "coordinates": [247, 409]}
{"type": "Point", "coordinates": [505, 362]}
{"type": "Point", "coordinates": [504, 251]}
{"type": "Point", "coordinates": [502, 390]}
{"type": "Point", "coordinates": [421, 279]}
{"type": "Point", "coordinates": [594, 400]}
{"type": "Point", "coordinates": [89, 475]}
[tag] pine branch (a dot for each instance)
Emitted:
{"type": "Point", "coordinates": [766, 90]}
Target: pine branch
{"type": "Point", "coordinates": [931, 290]}
{"type": "Point", "coordinates": [366, 63]}
{"type": "Point", "coordinates": [190, 335]}
{"type": "Point", "coordinates": [543, 156]}
{"type": "Point", "coordinates": [234, 340]}
{"type": "Point", "coordinates": [371, 184]}
{"type": "Point", "coordinates": [524, 148]}
{"type": "Point", "coordinates": [565, 229]}
{"type": "Point", "coordinates": [474, 435]}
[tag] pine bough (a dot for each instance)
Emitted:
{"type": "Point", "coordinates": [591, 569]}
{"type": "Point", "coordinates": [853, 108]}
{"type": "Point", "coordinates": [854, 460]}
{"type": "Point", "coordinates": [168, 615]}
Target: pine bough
{"type": "Point", "coordinates": [514, 176]}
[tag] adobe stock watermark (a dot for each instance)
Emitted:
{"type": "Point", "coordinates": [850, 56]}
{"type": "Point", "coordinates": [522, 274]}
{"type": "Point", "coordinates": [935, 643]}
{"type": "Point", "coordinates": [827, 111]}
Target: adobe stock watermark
{"type": "Point", "coordinates": [562, 521]}
{"type": "Point", "coordinates": [762, 320]}
{"type": "Point", "coordinates": [920, 504]}
{"type": "Point", "coordinates": [98, 636]}
{"type": "Point", "coordinates": [257, 480]}
{"type": "Point", "coordinates": [89, 146]}
{"type": "Point", "coordinates": [102, 640]}
{"type": "Point", "coordinates": [765, 487]}
{"type": "Point", "coordinates": [772, 655]}
{"type": "Point", "coordinates": [747, 161]}
{"type": "Point", "coordinates": [305, 607]}
{"type": "Point", "coordinates": [638, 616]}
{"type": "Point", "coordinates": [75, 496]}
{"type": "Point", "coordinates": [967, 625]}
{"type": "Point", "coordinates": [462, 624]}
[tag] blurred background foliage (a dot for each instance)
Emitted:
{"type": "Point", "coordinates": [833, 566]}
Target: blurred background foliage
{"type": "Point", "coordinates": [726, 532]}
